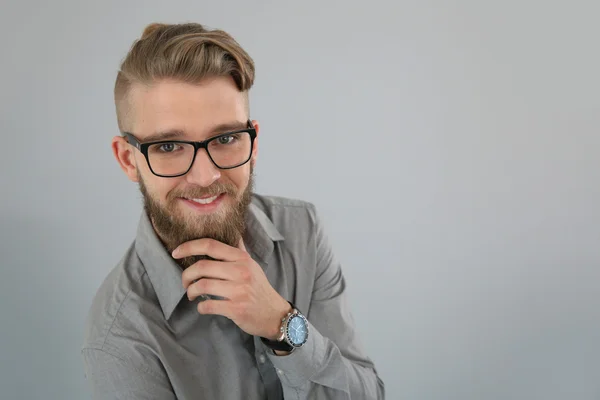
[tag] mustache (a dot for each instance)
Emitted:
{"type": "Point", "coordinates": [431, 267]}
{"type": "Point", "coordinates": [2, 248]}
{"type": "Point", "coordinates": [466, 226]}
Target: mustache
{"type": "Point", "coordinates": [198, 191]}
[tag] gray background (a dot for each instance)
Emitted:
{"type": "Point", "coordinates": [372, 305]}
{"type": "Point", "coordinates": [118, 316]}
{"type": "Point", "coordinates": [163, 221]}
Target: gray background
{"type": "Point", "coordinates": [451, 147]}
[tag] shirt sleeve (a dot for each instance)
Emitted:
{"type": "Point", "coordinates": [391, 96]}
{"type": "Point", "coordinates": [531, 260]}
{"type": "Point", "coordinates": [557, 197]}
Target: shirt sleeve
{"type": "Point", "coordinates": [332, 364]}
{"type": "Point", "coordinates": [111, 378]}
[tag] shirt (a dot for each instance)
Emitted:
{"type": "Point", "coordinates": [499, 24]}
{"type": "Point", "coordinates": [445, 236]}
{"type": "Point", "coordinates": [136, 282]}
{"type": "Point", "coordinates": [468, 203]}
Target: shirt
{"type": "Point", "coordinates": [144, 339]}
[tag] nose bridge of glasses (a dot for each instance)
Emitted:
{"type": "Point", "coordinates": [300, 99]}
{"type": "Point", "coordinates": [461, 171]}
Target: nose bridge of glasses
{"type": "Point", "coordinates": [203, 171]}
{"type": "Point", "coordinates": [201, 154]}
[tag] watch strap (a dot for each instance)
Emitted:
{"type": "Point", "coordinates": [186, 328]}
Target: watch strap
{"type": "Point", "coordinates": [276, 345]}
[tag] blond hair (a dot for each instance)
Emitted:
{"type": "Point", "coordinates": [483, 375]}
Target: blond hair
{"type": "Point", "coordinates": [185, 52]}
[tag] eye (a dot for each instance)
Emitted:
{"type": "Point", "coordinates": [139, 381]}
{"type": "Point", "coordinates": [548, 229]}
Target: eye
{"type": "Point", "coordinates": [167, 147]}
{"type": "Point", "coordinates": [226, 139]}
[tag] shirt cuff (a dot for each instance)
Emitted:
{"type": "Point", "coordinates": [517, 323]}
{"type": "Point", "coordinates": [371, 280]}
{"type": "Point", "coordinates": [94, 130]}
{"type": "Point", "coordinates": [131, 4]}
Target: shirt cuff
{"type": "Point", "coordinates": [296, 368]}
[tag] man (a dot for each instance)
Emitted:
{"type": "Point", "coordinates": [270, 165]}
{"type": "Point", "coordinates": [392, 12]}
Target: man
{"type": "Point", "coordinates": [224, 294]}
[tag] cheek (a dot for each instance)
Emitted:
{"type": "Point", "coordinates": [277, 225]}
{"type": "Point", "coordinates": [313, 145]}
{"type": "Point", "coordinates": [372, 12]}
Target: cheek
{"type": "Point", "coordinates": [238, 176]}
{"type": "Point", "coordinates": [160, 188]}
{"type": "Point", "coordinates": [165, 189]}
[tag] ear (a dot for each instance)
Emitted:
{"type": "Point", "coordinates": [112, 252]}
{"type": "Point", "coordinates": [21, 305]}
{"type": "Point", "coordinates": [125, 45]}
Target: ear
{"type": "Point", "coordinates": [255, 148]}
{"type": "Point", "coordinates": [123, 152]}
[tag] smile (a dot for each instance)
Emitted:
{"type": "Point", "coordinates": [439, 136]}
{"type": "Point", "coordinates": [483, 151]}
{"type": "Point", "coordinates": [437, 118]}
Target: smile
{"type": "Point", "coordinates": [205, 200]}
{"type": "Point", "coordinates": [205, 205]}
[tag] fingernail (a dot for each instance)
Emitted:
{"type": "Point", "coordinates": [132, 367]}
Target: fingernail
{"type": "Point", "coordinates": [175, 253]}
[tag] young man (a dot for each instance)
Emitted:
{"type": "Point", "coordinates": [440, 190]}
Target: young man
{"type": "Point", "coordinates": [224, 294]}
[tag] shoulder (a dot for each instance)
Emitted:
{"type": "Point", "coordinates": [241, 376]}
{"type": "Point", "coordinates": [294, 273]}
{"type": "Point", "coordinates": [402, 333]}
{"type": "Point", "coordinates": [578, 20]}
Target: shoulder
{"type": "Point", "coordinates": [296, 220]}
{"type": "Point", "coordinates": [116, 304]}
{"type": "Point", "coordinates": [285, 208]}
{"type": "Point", "coordinates": [268, 201]}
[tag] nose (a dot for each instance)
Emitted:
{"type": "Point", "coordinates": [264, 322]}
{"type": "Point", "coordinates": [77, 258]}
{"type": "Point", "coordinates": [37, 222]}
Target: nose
{"type": "Point", "coordinates": [203, 171]}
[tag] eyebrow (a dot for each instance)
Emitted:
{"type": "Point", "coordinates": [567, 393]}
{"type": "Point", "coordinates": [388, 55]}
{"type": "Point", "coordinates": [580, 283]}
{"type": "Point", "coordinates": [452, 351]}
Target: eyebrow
{"type": "Point", "coordinates": [174, 134]}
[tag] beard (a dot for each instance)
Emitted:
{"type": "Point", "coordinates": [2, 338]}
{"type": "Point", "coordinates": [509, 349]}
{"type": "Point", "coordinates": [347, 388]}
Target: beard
{"type": "Point", "coordinates": [173, 227]}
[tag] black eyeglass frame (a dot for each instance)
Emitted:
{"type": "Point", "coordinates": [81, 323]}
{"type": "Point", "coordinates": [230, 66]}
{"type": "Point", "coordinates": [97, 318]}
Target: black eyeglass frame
{"type": "Point", "coordinates": [143, 148]}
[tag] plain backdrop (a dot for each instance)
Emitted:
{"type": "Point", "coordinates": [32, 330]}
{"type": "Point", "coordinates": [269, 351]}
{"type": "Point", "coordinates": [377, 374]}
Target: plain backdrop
{"type": "Point", "coordinates": [452, 148]}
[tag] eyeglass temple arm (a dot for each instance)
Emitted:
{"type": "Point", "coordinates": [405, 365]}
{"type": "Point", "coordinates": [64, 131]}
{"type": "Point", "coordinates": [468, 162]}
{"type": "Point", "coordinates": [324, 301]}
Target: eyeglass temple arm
{"type": "Point", "coordinates": [132, 140]}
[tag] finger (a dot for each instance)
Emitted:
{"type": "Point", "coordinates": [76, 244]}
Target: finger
{"type": "Point", "coordinates": [215, 287]}
{"type": "Point", "coordinates": [209, 247]}
{"type": "Point", "coordinates": [216, 307]}
{"type": "Point", "coordinates": [209, 269]}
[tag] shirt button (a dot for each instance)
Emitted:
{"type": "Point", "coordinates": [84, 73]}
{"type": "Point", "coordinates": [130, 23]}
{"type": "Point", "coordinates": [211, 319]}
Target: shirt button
{"type": "Point", "coordinates": [280, 372]}
{"type": "Point", "coordinates": [262, 359]}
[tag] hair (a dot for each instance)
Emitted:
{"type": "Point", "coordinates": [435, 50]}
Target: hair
{"type": "Point", "coordinates": [184, 52]}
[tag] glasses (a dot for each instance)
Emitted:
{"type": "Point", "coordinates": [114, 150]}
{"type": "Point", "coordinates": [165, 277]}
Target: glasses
{"type": "Point", "coordinates": [172, 158]}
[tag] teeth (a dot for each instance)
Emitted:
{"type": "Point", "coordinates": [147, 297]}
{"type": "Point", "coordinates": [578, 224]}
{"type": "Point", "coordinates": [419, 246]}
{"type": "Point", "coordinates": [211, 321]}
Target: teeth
{"type": "Point", "coordinates": [205, 201]}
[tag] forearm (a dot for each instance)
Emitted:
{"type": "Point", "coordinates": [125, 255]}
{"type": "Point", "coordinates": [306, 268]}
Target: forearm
{"type": "Point", "coordinates": [320, 367]}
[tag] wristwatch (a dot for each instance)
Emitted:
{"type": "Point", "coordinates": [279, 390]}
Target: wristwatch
{"type": "Point", "coordinates": [293, 332]}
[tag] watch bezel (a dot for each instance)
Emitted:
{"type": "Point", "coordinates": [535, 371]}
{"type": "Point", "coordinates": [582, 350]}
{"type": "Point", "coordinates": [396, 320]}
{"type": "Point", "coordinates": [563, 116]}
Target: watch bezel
{"type": "Point", "coordinates": [295, 314]}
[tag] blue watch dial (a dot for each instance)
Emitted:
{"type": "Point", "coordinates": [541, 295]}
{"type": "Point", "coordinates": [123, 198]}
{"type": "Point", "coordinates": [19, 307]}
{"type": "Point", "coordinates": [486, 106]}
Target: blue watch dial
{"type": "Point", "coordinates": [297, 330]}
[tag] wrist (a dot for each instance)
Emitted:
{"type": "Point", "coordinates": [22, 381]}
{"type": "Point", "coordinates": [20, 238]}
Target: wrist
{"type": "Point", "coordinates": [277, 320]}
{"type": "Point", "coordinates": [293, 332]}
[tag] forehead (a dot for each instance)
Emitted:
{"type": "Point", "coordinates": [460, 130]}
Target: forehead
{"type": "Point", "coordinates": [194, 109]}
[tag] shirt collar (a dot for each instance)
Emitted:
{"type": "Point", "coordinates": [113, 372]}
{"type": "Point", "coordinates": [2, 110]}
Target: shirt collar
{"type": "Point", "coordinates": [165, 273]}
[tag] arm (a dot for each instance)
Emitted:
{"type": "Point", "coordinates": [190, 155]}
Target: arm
{"type": "Point", "coordinates": [332, 364]}
{"type": "Point", "coordinates": [111, 377]}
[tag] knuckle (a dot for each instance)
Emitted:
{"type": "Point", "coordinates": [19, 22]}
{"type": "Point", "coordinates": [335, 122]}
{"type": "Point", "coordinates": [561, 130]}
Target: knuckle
{"type": "Point", "coordinates": [245, 274]}
{"type": "Point", "coordinates": [202, 285]}
{"type": "Point", "coordinates": [192, 291]}
{"type": "Point", "coordinates": [246, 258]}
{"type": "Point", "coordinates": [185, 278]}
{"type": "Point", "coordinates": [188, 276]}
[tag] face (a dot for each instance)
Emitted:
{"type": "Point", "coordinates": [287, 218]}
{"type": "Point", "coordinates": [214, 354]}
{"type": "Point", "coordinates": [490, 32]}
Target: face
{"type": "Point", "coordinates": [207, 202]}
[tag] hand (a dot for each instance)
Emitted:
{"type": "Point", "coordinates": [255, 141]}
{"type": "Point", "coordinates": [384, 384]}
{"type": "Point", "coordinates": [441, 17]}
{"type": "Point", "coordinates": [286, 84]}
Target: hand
{"type": "Point", "coordinates": [249, 299]}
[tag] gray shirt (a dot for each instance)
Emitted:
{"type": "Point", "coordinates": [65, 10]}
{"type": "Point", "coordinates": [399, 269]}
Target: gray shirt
{"type": "Point", "coordinates": [145, 340]}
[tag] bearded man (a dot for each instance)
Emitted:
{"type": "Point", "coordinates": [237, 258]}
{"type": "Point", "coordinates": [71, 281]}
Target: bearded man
{"type": "Point", "coordinates": [224, 293]}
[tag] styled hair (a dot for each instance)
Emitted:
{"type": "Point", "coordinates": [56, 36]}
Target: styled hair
{"type": "Point", "coordinates": [184, 52]}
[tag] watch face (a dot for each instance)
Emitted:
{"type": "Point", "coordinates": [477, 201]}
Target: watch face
{"type": "Point", "coordinates": [297, 330]}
